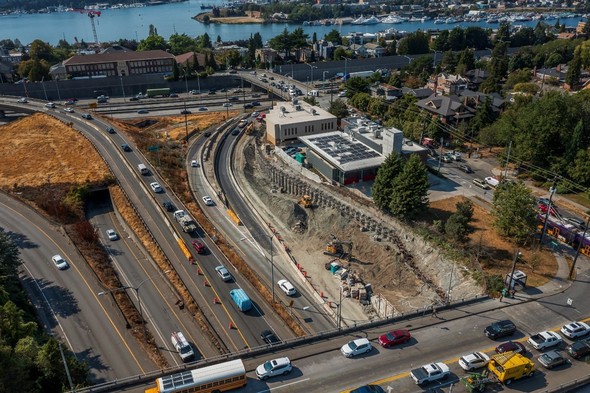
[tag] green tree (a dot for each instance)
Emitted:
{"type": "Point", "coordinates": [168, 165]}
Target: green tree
{"type": "Point", "coordinates": [449, 61]}
{"type": "Point", "coordinates": [484, 116]}
{"type": "Point", "coordinates": [382, 189]}
{"type": "Point", "coordinates": [152, 42]}
{"type": "Point", "coordinates": [204, 42]}
{"type": "Point", "coordinates": [34, 69]}
{"type": "Point", "coordinates": [340, 53]}
{"type": "Point", "coordinates": [519, 76]}
{"type": "Point", "coordinates": [458, 226]}
{"type": "Point", "coordinates": [181, 43]}
{"type": "Point", "coordinates": [410, 189]}
{"type": "Point", "coordinates": [152, 30]}
{"type": "Point", "coordinates": [477, 38]}
{"type": "Point", "coordinates": [357, 85]}
{"type": "Point", "coordinates": [580, 170]}
{"type": "Point", "coordinates": [574, 69]}
{"type": "Point", "coordinates": [457, 39]}
{"type": "Point", "coordinates": [414, 44]}
{"type": "Point", "coordinates": [338, 108]}
{"type": "Point", "coordinates": [466, 62]}
{"type": "Point", "coordinates": [334, 37]}
{"type": "Point", "coordinates": [514, 211]}
{"type": "Point", "coordinates": [41, 51]}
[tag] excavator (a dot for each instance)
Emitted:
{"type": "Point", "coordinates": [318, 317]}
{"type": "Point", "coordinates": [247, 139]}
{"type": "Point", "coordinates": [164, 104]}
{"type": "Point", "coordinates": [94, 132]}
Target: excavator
{"type": "Point", "coordinates": [306, 201]}
{"type": "Point", "coordinates": [339, 249]}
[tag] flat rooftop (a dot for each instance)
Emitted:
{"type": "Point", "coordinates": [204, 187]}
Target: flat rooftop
{"type": "Point", "coordinates": [342, 151]}
{"type": "Point", "coordinates": [286, 112]}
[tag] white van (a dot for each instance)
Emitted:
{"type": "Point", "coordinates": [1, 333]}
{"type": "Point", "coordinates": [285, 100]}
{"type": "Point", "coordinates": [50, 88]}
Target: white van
{"type": "Point", "coordinates": [313, 93]}
{"type": "Point", "coordinates": [182, 346]}
{"type": "Point", "coordinates": [143, 169]}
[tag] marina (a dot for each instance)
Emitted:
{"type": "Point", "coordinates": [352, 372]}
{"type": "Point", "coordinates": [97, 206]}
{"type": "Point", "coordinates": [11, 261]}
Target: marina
{"type": "Point", "coordinates": [132, 20]}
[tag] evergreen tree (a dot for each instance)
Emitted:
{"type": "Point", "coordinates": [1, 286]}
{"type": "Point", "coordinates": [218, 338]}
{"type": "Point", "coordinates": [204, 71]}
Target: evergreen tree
{"type": "Point", "coordinates": [410, 189]}
{"type": "Point", "coordinates": [383, 186]}
{"type": "Point", "coordinates": [574, 69]}
{"type": "Point", "coordinates": [458, 225]}
{"type": "Point", "coordinates": [514, 211]}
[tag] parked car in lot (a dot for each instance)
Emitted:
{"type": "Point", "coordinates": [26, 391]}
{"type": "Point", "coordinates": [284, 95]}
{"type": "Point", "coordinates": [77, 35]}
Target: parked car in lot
{"type": "Point", "coordinates": [575, 329]}
{"type": "Point", "coordinates": [552, 359]}
{"type": "Point", "coordinates": [223, 273]}
{"type": "Point", "coordinates": [59, 262]}
{"type": "Point", "coordinates": [287, 287]}
{"type": "Point", "coordinates": [269, 337]}
{"type": "Point", "coordinates": [474, 361]}
{"type": "Point", "coordinates": [481, 184]}
{"type": "Point", "coordinates": [156, 187]}
{"type": "Point", "coordinates": [356, 347]}
{"type": "Point", "coordinates": [394, 337]}
{"type": "Point", "coordinates": [511, 346]}
{"type": "Point", "coordinates": [579, 349]}
{"type": "Point", "coordinates": [111, 234]}
{"type": "Point", "coordinates": [272, 368]}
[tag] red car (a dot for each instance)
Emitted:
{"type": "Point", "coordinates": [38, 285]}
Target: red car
{"type": "Point", "coordinates": [199, 247]}
{"type": "Point", "coordinates": [511, 346]}
{"type": "Point", "coordinates": [394, 338]}
{"type": "Point", "coordinates": [543, 208]}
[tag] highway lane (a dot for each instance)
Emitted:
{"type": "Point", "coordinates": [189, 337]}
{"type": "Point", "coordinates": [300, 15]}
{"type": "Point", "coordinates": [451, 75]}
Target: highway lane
{"type": "Point", "coordinates": [67, 300]}
{"type": "Point", "coordinates": [258, 235]}
{"type": "Point", "coordinates": [137, 270]}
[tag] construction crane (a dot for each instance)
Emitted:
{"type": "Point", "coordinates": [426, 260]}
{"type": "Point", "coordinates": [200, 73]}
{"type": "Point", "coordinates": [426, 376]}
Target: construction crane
{"type": "Point", "coordinates": [91, 14]}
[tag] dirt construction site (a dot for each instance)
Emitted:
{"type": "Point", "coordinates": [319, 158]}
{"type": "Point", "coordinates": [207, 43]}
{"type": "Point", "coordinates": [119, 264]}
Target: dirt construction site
{"type": "Point", "coordinates": [400, 266]}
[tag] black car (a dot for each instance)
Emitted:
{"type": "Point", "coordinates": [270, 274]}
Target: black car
{"type": "Point", "coordinates": [133, 99]}
{"type": "Point", "coordinates": [185, 112]}
{"type": "Point", "coordinates": [173, 95]}
{"type": "Point", "coordinates": [269, 337]}
{"type": "Point", "coordinates": [207, 134]}
{"type": "Point", "coordinates": [579, 349]}
{"type": "Point", "coordinates": [125, 147]}
{"type": "Point", "coordinates": [248, 106]}
{"type": "Point", "coordinates": [255, 103]}
{"type": "Point", "coordinates": [110, 130]}
{"type": "Point", "coordinates": [168, 206]}
{"type": "Point", "coordinates": [500, 329]}
{"type": "Point", "coordinates": [87, 116]}
{"type": "Point", "coordinates": [236, 131]}
{"type": "Point", "coordinates": [465, 168]}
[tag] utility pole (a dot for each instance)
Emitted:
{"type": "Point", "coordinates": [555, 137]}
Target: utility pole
{"type": "Point", "coordinates": [578, 249]}
{"type": "Point", "coordinates": [441, 153]}
{"type": "Point", "coordinates": [516, 254]}
{"type": "Point", "coordinates": [507, 160]}
{"type": "Point", "coordinates": [272, 271]}
{"type": "Point", "coordinates": [552, 191]}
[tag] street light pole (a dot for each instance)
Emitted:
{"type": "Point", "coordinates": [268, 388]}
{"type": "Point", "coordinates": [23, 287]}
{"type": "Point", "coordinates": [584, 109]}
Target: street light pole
{"type": "Point", "coordinates": [43, 86]}
{"type": "Point", "coordinates": [324, 79]}
{"type": "Point", "coordinates": [272, 270]}
{"type": "Point", "coordinates": [136, 289]}
{"type": "Point", "coordinates": [345, 65]}
{"type": "Point", "coordinates": [57, 88]}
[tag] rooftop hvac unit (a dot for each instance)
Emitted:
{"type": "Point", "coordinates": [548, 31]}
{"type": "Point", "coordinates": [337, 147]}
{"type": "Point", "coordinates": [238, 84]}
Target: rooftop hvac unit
{"type": "Point", "coordinates": [297, 107]}
{"type": "Point", "coordinates": [313, 111]}
{"type": "Point", "coordinates": [377, 134]}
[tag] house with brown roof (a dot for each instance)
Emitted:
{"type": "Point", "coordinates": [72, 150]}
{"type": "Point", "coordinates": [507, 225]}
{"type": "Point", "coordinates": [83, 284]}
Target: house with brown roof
{"type": "Point", "coordinates": [120, 64]}
{"type": "Point", "coordinates": [449, 109]}
{"type": "Point", "coordinates": [187, 59]}
{"type": "Point", "coordinates": [444, 83]}
{"type": "Point", "coordinates": [386, 92]}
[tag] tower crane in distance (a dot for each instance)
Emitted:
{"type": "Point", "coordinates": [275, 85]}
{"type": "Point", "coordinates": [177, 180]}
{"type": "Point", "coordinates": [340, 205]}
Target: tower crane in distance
{"type": "Point", "coordinates": [91, 14]}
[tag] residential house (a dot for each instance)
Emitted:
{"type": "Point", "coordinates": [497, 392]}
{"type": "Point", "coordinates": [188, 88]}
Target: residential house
{"type": "Point", "coordinates": [374, 50]}
{"type": "Point", "coordinates": [476, 77]}
{"type": "Point", "coordinates": [419, 93]}
{"type": "Point", "coordinates": [58, 71]}
{"type": "Point", "coordinates": [476, 98]}
{"type": "Point", "coordinates": [358, 50]}
{"type": "Point", "coordinates": [266, 55]}
{"type": "Point", "coordinates": [324, 49]}
{"type": "Point", "coordinates": [446, 84]}
{"type": "Point", "coordinates": [120, 64]}
{"type": "Point", "coordinates": [386, 92]}
{"type": "Point", "coordinates": [557, 73]}
{"type": "Point", "coordinates": [449, 109]}
{"type": "Point", "coordinates": [187, 59]}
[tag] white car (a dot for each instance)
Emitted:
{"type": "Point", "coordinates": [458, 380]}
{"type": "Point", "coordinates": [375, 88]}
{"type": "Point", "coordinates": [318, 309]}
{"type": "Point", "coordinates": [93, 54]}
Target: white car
{"type": "Point", "coordinates": [111, 234]}
{"type": "Point", "coordinates": [227, 104]}
{"type": "Point", "coordinates": [50, 105]}
{"type": "Point", "coordinates": [287, 287]}
{"type": "Point", "coordinates": [474, 361]}
{"type": "Point", "coordinates": [342, 94]}
{"type": "Point", "coordinates": [194, 164]}
{"type": "Point", "coordinates": [22, 100]}
{"type": "Point", "coordinates": [69, 110]}
{"type": "Point", "coordinates": [156, 187]}
{"type": "Point", "coordinates": [223, 273]}
{"type": "Point", "coordinates": [203, 108]}
{"type": "Point", "coordinates": [272, 368]}
{"type": "Point", "coordinates": [208, 201]}
{"type": "Point", "coordinates": [59, 262]}
{"type": "Point", "coordinates": [254, 114]}
{"type": "Point", "coordinates": [575, 329]}
{"type": "Point", "coordinates": [356, 347]}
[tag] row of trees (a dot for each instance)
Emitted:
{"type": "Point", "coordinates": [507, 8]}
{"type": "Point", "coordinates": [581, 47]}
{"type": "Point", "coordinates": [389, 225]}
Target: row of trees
{"type": "Point", "coordinates": [31, 361]}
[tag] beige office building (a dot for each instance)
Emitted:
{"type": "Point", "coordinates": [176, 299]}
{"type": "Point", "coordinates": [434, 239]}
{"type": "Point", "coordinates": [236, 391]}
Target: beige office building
{"type": "Point", "coordinates": [287, 121]}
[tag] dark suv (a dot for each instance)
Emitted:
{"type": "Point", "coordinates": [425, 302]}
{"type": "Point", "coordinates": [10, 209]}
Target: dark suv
{"type": "Point", "coordinates": [579, 349]}
{"type": "Point", "coordinates": [500, 329]}
{"type": "Point", "coordinates": [269, 337]}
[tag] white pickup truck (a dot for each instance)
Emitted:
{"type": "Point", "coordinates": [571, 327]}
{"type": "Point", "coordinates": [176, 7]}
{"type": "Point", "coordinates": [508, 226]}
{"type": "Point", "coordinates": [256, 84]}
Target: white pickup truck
{"type": "Point", "coordinates": [544, 340]}
{"type": "Point", "coordinates": [429, 373]}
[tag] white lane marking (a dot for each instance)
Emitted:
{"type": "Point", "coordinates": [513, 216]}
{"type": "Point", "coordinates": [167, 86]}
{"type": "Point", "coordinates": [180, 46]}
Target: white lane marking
{"type": "Point", "coordinates": [284, 386]}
